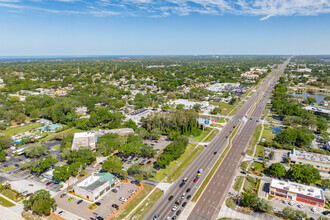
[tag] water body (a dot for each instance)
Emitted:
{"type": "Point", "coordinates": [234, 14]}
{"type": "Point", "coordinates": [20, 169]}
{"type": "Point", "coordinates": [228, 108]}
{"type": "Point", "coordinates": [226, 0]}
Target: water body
{"type": "Point", "coordinates": [326, 60]}
{"type": "Point", "coordinates": [276, 130]}
{"type": "Point", "coordinates": [319, 98]}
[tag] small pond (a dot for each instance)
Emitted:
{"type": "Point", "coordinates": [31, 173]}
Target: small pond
{"type": "Point", "coordinates": [276, 130]}
{"type": "Point", "coordinates": [319, 98]}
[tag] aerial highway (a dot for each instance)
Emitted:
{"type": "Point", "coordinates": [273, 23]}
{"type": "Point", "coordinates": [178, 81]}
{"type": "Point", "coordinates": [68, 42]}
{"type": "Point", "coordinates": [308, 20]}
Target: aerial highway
{"type": "Point", "coordinates": [209, 204]}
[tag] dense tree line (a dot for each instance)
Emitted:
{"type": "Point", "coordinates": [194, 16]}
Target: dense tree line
{"type": "Point", "coordinates": [172, 151]}
{"type": "Point", "coordinates": [40, 202]}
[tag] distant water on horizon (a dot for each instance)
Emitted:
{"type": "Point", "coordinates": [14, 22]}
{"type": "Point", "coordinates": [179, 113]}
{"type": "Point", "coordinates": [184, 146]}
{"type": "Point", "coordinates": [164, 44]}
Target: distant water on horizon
{"type": "Point", "coordinates": [326, 60]}
{"type": "Point", "coordinates": [56, 58]}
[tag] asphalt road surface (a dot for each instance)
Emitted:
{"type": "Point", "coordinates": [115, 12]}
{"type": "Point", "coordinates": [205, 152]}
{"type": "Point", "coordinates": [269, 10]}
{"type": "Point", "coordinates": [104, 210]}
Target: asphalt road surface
{"type": "Point", "coordinates": [208, 206]}
{"type": "Point", "coordinates": [214, 195]}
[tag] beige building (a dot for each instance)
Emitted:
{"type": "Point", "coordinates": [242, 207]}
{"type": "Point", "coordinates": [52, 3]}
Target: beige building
{"type": "Point", "coordinates": [83, 139]}
{"type": "Point", "coordinates": [95, 186]}
{"type": "Point", "coordinates": [318, 161]}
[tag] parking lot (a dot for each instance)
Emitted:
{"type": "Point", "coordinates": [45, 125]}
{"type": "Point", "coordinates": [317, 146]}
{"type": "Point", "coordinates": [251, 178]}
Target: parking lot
{"type": "Point", "coordinates": [105, 208]}
{"type": "Point", "coordinates": [157, 145]}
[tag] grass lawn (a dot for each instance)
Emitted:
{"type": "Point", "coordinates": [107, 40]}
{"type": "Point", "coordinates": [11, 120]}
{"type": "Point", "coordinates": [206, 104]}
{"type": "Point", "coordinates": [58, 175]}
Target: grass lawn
{"type": "Point", "coordinates": [267, 133]}
{"type": "Point", "coordinates": [221, 120]}
{"type": "Point", "coordinates": [215, 167]}
{"type": "Point", "coordinates": [4, 202]}
{"type": "Point", "coordinates": [257, 167]}
{"type": "Point", "coordinates": [212, 135]}
{"type": "Point", "coordinates": [164, 172]}
{"type": "Point", "coordinates": [56, 147]}
{"type": "Point", "coordinates": [224, 105]}
{"type": "Point", "coordinates": [202, 135]}
{"type": "Point", "coordinates": [183, 166]}
{"type": "Point", "coordinates": [19, 129]}
{"type": "Point", "coordinates": [8, 168]}
{"type": "Point", "coordinates": [130, 206]}
{"type": "Point", "coordinates": [147, 205]}
{"type": "Point", "coordinates": [255, 136]}
{"type": "Point", "coordinates": [245, 164]}
{"type": "Point", "coordinates": [12, 195]}
{"type": "Point", "coordinates": [260, 151]}
{"type": "Point", "coordinates": [231, 203]}
{"type": "Point", "coordinates": [238, 183]}
{"type": "Point", "coordinates": [51, 135]}
{"type": "Point", "coordinates": [249, 184]}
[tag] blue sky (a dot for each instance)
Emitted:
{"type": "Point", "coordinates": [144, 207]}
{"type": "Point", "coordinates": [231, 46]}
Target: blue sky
{"type": "Point", "coordinates": [164, 27]}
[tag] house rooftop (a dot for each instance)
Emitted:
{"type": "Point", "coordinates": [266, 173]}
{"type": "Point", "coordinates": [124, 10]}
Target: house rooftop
{"type": "Point", "coordinates": [310, 158]}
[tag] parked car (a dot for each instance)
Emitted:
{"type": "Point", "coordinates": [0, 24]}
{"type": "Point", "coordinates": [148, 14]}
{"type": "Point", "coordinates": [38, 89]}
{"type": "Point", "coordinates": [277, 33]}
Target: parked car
{"type": "Point", "coordinates": [80, 201]}
{"type": "Point", "coordinates": [63, 195]}
{"type": "Point", "coordinates": [149, 162]}
{"type": "Point", "coordinates": [122, 199]}
{"type": "Point", "coordinates": [61, 212]}
{"type": "Point", "coordinates": [98, 203]}
{"type": "Point", "coordinates": [115, 206]}
{"type": "Point", "coordinates": [48, 183]}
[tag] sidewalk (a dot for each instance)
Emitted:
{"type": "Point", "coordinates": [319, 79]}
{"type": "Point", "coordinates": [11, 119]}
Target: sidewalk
{"type": "Point", "coordinates": [7, 214]}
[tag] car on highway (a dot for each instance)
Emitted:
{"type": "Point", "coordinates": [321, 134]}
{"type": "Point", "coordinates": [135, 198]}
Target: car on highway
{"type": "Point", "coordinates": [185, 179]}
{"type": "Point", "coordinates": [183, 195]}
{"type": "Point", "coordinates": [168, 218]}
{"type": "Point", "coordinates": [178, 212]}
{"type": "Point", "coordinates": [188, 190]}
{"type": "Point", "coordinates": [95, 214]}
{"type": "Point", "coordinates": [200, 171]}
{"type": "Point", "coordinates": [188, 197]}
{"type": "Point", "coordinates": [205, 145]}
{"type": "Point", "coordinates": [174, 217]}
{"type": "Point", "coordinates": [182, 184]}
{"type": "Point", "coordinates": [215, 152]}
{"type": "Point", "coordinates": [156, 216]}
{"type": "Point", "coordinates": [184, 204]}
{"type": "Point", "coordinates": [170, 198]}
{"type": "Point", "coordinates": [195, 180]}
{"type": "Point", "coordinates": [80, 201]}
{"type": "Point", "coordinates": [226, 136]}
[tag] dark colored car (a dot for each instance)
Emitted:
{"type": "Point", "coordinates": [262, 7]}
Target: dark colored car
{"type": "Point", "coordinates": [226, 136]}
{"type": "Point", "coordinates": [188, 197]}
{"type": "Point", "coordinates": [115, 206]}
{"type": "Point", "coordinates": [98, 203]}
{"type": "Point", "coordinates": [149, 162]}
{"type": "Point", "coordinates": [188, 190]}
{"type": "Point", "coordinates": [63, 195]}
{"type": "Point", "coordinates": [170, 198]}
{"type": "Point", "coordinates": [215, 152]}
{"type": "Point", "coordinates": [205, 145]}
{"type": "Point", "coordinates": [181, 184]}
{"type": "Point", "coordinates": [61, 212]}
{"type": "Point", "coordinates": [80, 201]}
{"type": "Point", "coordinates": [174, 217]}
{"type": "Point", "coordinates": [184, 204]}
{"type": "Point", "coordinates": [178, 213]}
{"type": "Point", "coordinates": [99, 218]}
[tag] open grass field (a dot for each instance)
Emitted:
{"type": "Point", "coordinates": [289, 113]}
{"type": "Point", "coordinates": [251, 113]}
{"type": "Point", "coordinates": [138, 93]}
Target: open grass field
{"type": "Point", "coordinates": [147, 205]}
{"type": "Point", "coordinates": [267, 133]}
{"type": "Point", "coordinates": [130, 206]}
{"type": "Point", "coordinates": [245, 164]}
{"type": "Point", "coordinates": [52, 135]}
{"type": "Point", "coordinates": [164, 172]}
{"type": "Point", "coordinates": [212, 135]}
{"type": "Point", "coordinates": [19, 129]}
{"type": "Point", "coordinates": [260, 151]}
{"type": "Point", "coordinates": [257, 167]}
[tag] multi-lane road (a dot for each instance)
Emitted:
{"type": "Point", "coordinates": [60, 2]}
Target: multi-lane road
{"type": "Point", "coordinates": [209, 204]}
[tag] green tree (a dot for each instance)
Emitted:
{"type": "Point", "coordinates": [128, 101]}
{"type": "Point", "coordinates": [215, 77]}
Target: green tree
{"type": "Point", "coordinates": [5, 141]}
{"type": "Point", "coordinates": [322, 124]}
{"type": "Point", "coordinates": [197, 107]}
{"type": "Point", "coordinates": [138, 177]}
{"type": "Point", "coordinates": [114, 165]}
{"type": "Point", "coordinates": [277, 169]}
{"type": "Point", "coordinates": [216, 110]}
{"type": "Point", "coordinates": [130, 124]}
{"type": "Point", "coordinates": [303, 173]}
{"type": "Point", "coordinates": [180, 107]}
{"type": "Point", "coordinates": [40, 202]}
{"type": "Point", "coordinates": [232, 101]}
{"type": "Point", "coordinates": [3, 155]}
{"type": "Point", "coordinates": [310, 100]}
{"type": "Point", "coordinates": [35, 150]}
{"type": "Point", "coordinates": [155, 133]}
{"type": "Point", "coordinates": [294, 214]}
{"type": "Point", "coordinates": [61, 173]}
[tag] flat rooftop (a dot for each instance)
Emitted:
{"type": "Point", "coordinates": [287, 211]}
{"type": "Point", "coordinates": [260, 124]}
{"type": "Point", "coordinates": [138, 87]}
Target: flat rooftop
{"type": "Point", "coordinates": [298, 188]}
{"type": "Point", "coordinates": [311, 158]}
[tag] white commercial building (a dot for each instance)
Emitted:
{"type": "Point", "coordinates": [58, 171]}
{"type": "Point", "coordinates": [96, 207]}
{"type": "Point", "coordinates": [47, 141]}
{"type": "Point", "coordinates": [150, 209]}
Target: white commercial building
{"type": "Point", "coordinates": [188, 104]}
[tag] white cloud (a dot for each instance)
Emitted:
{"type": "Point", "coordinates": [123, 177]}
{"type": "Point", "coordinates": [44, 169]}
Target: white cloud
{"type": "Point", "coordinates": [161, 8]}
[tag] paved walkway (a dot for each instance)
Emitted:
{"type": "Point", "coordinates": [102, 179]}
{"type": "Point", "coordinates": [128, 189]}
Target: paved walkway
{"type": "Point", "coordinates": [6, 198]}
{"type": "Point", "coordinates": [7, 214]}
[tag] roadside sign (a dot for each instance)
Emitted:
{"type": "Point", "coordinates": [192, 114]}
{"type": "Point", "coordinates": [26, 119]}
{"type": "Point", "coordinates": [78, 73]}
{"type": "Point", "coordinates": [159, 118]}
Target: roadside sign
{"type": "Point", "coordinates": [213, 119]}
{"type": "Point", "coordinates": [207, 122]}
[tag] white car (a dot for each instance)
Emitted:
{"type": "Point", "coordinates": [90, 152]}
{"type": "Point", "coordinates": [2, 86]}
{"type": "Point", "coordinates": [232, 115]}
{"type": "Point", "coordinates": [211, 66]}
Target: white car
{"type": "Point", "coordinates": [174, 208]}
{"type": "Point", "coordinates": [291, 203]}
{"type": "Point", "coordinates": [300, 206]}
{"type": "Point", "coordinates": [183, 195]}
{"type": "Point", "coordinates": [313, 209]}
{"type": "Point", "coordinates": [122, 199]}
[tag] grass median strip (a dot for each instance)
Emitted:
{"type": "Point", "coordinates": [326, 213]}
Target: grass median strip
{"type": "Point", "coordinates": [183, 166]}
{"type": "Point", "coordinates": [238, 183]}
{"type": "Point", "coordinates": [215, 167]}
{"type": "Point", "coordinates": [212, 135]}
{"type": "Point", "coordinates": [147, 205]}
{"type": "Point", "coordinates": [164, 172]}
